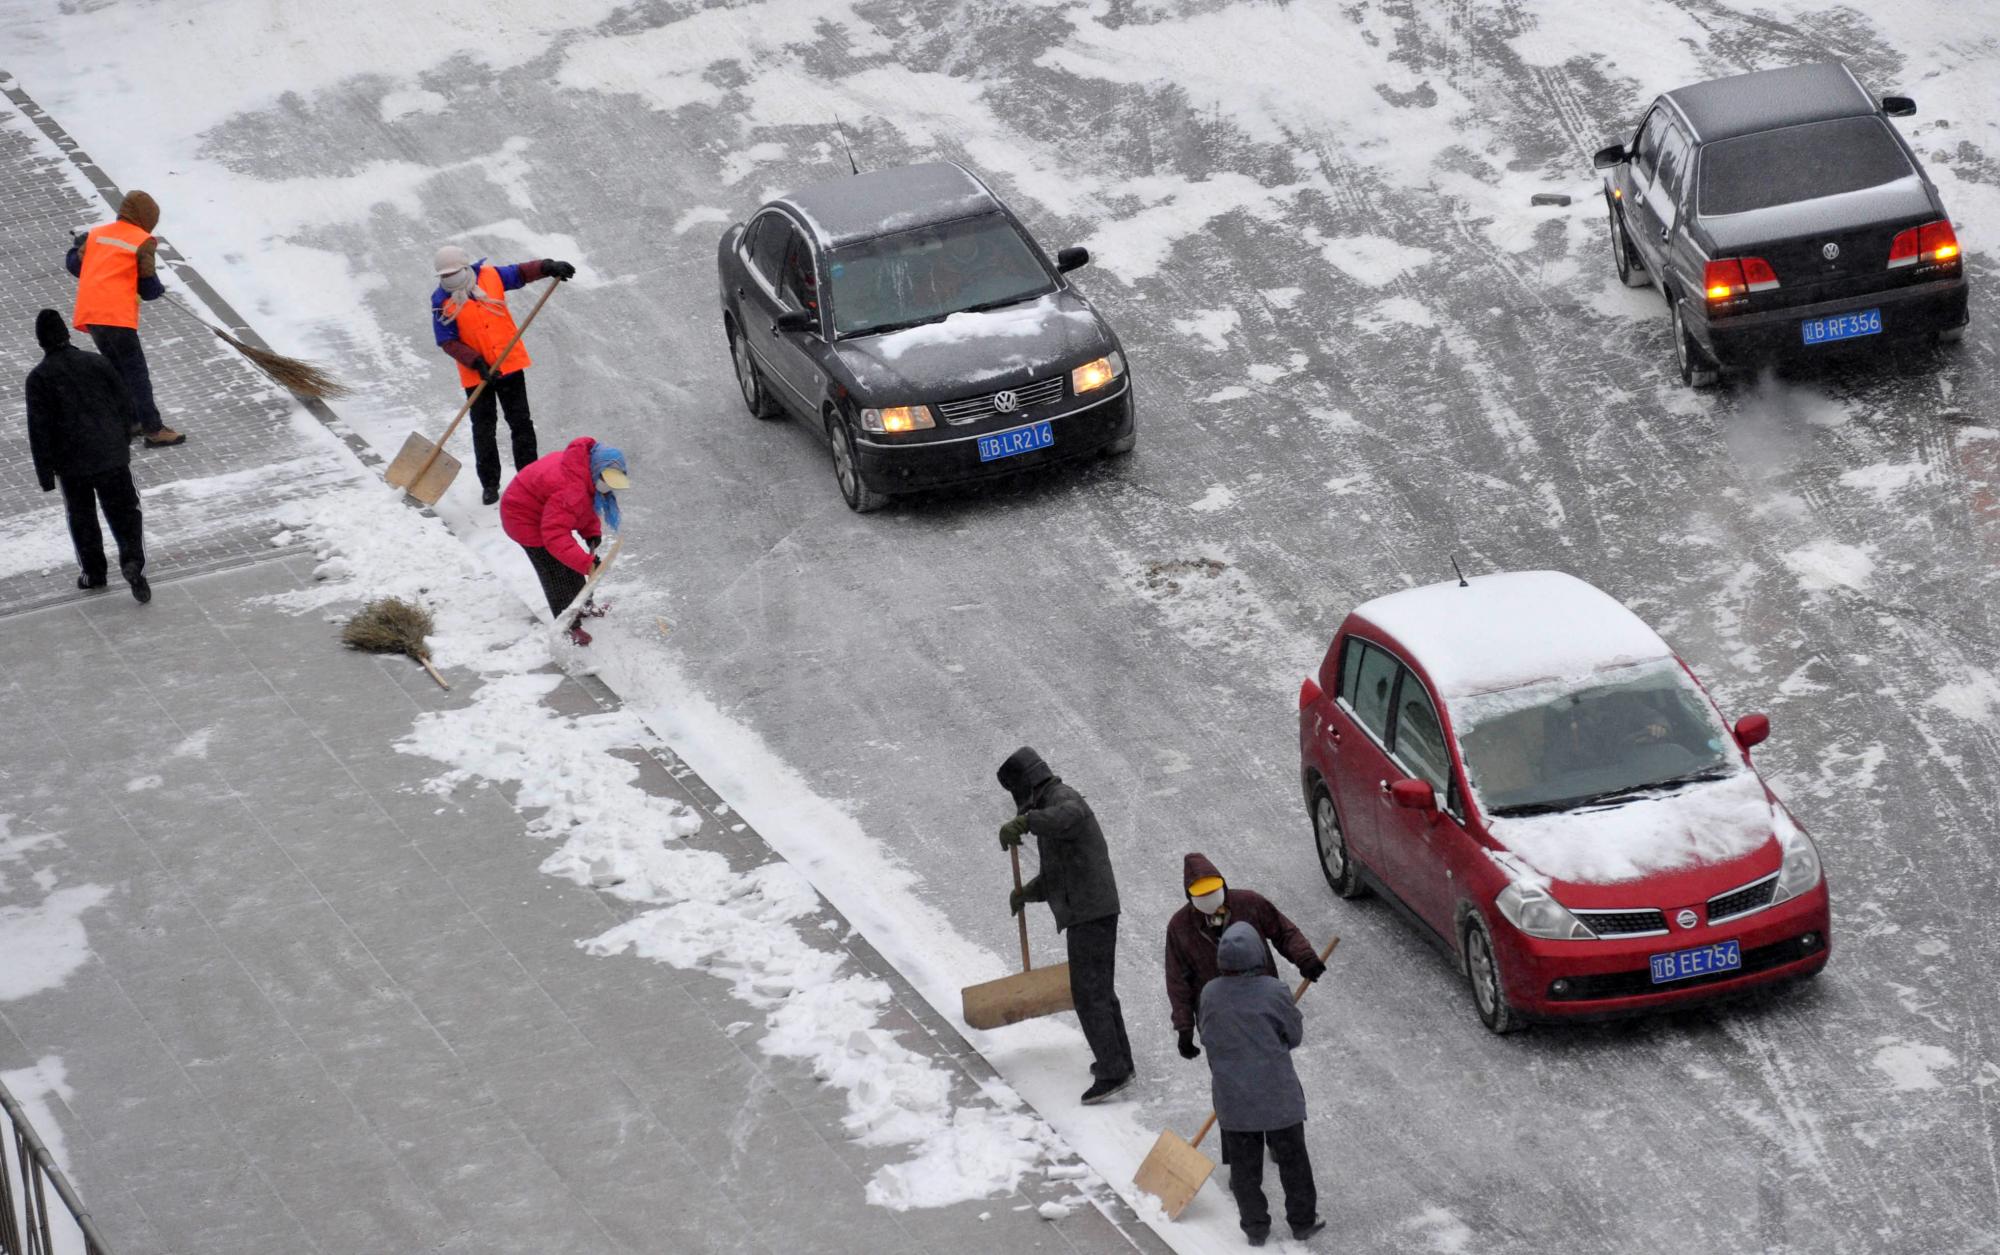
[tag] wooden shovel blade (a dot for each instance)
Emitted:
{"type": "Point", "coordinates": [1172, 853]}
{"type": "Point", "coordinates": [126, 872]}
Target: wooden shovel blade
{"type": "Point", "coordinates": [410, 459]}
{"type": "Point", "coordinates": [1173, 1172]}
{"type": "Point", "coordinates": [1023, 996]}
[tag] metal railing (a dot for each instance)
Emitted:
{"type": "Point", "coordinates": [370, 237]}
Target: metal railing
{"type": "Point", "coordinates": [27, 1226]}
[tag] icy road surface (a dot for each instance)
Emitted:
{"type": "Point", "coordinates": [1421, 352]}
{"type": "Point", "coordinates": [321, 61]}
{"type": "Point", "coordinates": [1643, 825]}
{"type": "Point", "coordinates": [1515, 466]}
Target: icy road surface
{"type": "Point", "coordinates": [1357, 351]}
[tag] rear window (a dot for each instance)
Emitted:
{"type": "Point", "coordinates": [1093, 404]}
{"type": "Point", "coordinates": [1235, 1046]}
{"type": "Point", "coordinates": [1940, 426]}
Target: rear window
{"type": "Point", "coordinates": [1798, 163]}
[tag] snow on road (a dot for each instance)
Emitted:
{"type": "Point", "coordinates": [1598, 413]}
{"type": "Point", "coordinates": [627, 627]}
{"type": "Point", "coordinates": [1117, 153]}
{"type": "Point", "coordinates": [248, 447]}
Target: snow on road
{"type": "Point", "coordinates": [1460, 374]}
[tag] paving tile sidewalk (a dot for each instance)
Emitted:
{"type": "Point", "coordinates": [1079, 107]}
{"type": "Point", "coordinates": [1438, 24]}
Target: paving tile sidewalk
{"type": "Point", "coordinates": [322, 1010]}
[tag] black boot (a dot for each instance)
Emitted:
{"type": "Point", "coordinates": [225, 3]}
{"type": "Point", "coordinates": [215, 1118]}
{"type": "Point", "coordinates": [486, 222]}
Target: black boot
{"type": "Point", "coordinates": [487, 496]}
{"type": "Point", "coordinates": [1102, 1089]}
{"type": "Point", "coordinates": [142, 592]}
{"type": "Point", "coordinates": [88, 582]}
{"type": "Point", "coordinates": [1300, 1235]}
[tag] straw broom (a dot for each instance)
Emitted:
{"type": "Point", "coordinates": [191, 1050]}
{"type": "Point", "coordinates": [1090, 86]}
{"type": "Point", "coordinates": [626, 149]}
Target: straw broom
{"type": "Point", "coordinates": [390, 625]}
{"type": "Point", "coordinates": [308, 379]}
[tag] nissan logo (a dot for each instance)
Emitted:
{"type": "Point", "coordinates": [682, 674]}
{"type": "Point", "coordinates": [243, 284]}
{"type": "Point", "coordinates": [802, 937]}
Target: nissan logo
{"type": "Point", "coordinates": [1005, 402]}
{"type": "Point", "coordinates": [1687, 918]}
{"type": "Point", "coordinates": [1829, 250]}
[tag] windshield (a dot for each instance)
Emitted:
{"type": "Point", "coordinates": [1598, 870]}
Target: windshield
{"type": "Point", "coordinates": [930, 273]}
{"type": "Point", "coordinates": [1798, 163]}
{"type": "Point", "coordinates": [1560, 744]}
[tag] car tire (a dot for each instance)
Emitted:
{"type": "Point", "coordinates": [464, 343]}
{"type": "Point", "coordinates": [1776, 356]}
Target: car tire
{"type": "Point", "coordinates": [1631, 267]}
{"type": "Point", "coordinates": [1697, 371]}
{"type": "Point", "coordinates": [1482, 969]}
{"type": "Point", "coordinates": [859, 497]}
{"type": "Point", "coordinates": [749, 381]}
{"type": "Point", "coordinates": [1330, 841]}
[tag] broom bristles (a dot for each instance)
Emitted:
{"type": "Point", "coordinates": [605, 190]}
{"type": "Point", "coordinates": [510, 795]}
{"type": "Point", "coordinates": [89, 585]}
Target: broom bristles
{"type": "Point", "coordinates": [389, 625]}
{"type": "Point", "coordinates": [301, 377]}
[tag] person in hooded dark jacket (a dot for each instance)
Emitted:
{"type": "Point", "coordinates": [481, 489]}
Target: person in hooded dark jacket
{"type": "Point", "coordinates": [1251, 1026]}
{"type": "Point", "coordinates": [1076, 881]}
{"type": "Point", "coordinates": [1193, 932]}
{"type": "Point", "coordinates": [79, 410]}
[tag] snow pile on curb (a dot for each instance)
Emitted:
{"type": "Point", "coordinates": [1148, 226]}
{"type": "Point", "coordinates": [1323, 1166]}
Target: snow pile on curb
{"type": "Point", "coordinates": [747, 928]}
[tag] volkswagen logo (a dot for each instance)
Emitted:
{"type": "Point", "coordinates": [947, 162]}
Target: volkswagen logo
{"type": "Point", "coordinates": [1687, 918]}
{"type": "Point", "coordinates": [1005, 402]}
{"type": "Point", "coordinates": [1829, 250]}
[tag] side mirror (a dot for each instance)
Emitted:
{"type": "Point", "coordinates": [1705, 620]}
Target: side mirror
{"type": "Point", "coordinates": [1606, 158]}
{"type": "Point", "coordinates": [1898, 106]}
{"type": "Point", "coordinates": [796, 320]}
{"type": "Point", "coordinates": [1753, 730]}
{"type": "Point", "coordinates": [1074, 257]}
{"type": "Point", "coordinates": [1414, 795]}
{"type": "Point", "coordinates": [1309, 692]}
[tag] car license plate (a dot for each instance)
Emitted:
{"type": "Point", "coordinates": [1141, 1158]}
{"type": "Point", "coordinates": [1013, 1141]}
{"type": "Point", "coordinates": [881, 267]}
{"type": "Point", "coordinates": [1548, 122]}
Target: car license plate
{"type": "Point", "coordinates": [1864, 322]}
{"type": "Point", "coordinates": [1005, 444]}
{"type": "Point", "coordinates": [1723, 956]}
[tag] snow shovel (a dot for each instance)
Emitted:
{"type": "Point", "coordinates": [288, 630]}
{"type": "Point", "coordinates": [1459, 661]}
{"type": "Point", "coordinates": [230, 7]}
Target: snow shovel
{"type": "Point", "coordinates": [425, 470]}
{"type": "Point", "coordinates": [1031, 992]}
{"type": "Point", "coordinates": [1174, 1171]}
{"type": "Point", "coordinates": [574, 611]}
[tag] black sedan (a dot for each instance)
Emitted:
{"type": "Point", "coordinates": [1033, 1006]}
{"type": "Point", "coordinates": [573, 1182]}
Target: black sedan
{"type": "Point", "coordinates": [907, 318]}
{"type": "Point", "coordinates": [1780, 213]}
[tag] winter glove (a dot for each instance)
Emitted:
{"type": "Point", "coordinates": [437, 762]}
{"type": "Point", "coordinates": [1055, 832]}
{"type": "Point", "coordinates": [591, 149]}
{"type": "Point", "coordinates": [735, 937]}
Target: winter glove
{"type": "Point", "coordinates": [1030, 892]}
{"type": "Point", "coordinates": [491, 374]}
{"type": "Point", "coordinates": [1312, 969]}
{"type": "Point", "coordinates": [1012, 831]}
{"type": "Point", "coordinates": [1188, 1049]}
{"type": "Point", "coordinates": [558, 269]}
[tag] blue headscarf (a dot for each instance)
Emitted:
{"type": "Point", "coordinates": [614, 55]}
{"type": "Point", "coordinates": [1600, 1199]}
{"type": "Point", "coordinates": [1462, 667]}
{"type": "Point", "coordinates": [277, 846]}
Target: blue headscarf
{"type": "Point", "coordinates": [602, 456]}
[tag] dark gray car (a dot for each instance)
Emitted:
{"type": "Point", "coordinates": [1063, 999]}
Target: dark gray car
{"type": "Point", "coordinates": [1781, 213]}
{"type": "Point", "coordinates": [907, 318]}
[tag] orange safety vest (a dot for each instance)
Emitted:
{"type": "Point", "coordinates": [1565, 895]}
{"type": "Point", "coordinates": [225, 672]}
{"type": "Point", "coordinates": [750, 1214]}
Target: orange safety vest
{"type": "Point", "coordinates": [487, 328]}
{"type": "Point", "coordinates": [107, 292]}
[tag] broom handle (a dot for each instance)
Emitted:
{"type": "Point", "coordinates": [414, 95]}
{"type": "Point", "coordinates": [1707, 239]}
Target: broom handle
{"type": "Point", "coordinates": [434, 674]}
{"type": "Point", "coordinates": [1021, 916]}
{"type": "Point", "coordinates": [1297, 994]}
{"type": "Point", "coordinates": [474, 395]}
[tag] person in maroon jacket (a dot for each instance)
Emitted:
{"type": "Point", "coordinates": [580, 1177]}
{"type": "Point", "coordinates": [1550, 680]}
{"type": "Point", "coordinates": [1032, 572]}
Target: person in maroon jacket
{"type": "Point", "coordinates": [1196, 929]}
{"type": "Point", "coordinates": [554, 500]}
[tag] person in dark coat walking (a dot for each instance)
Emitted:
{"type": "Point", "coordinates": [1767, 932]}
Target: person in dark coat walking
{"type": "Point", "coordinates": [1251, 1026]}
{"type": "Point", "coordinates": [79, 411]}
{"type": "Point", "coordinates": [1076, 881]}
{"type": "Point", "coordinates": [1193, 932]}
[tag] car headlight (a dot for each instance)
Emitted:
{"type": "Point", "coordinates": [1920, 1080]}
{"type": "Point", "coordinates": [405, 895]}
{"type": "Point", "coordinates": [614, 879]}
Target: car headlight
{"type": "Point", "coordinates": [1091, 376]}
{"type": "Point", "coordinates": [1801, 870]}
{"type": "Point", "coordinates": [895, 418]}
{"type": "Point", "coordinates": [1530, 909]}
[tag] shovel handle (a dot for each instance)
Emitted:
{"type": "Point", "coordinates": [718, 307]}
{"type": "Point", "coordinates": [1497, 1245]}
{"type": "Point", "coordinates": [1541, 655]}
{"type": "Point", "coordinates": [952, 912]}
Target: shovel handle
{"type": "Point", "coordinates": [474, 395]}
{"type": "Point", "coordinates": [1021, 916]}
{"type": "Point", "coordinates": [1297, 994]}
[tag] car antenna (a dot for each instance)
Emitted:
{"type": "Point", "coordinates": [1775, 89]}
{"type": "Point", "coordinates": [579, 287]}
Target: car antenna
{"type": "Point", "coordinates": [842, 132]}
{"type": "Point", "coordinates": [1457, 572]}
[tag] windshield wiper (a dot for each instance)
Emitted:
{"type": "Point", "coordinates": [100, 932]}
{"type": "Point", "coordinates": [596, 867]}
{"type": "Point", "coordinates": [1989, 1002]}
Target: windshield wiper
{"type": "Point", "coordinates": [905, 325]}
{"type": "Point", "coordinates": [983, 306]}
{"type": "Point", "coordinates": [1610, 796]}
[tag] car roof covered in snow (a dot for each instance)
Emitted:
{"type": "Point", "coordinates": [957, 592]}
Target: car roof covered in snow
{"type": "Point", "coordinates": [882, 202]}
{"type": "Point", "coordinates": [1503, 631]}
{"type": "Point", "coordinates": [1765, 100]}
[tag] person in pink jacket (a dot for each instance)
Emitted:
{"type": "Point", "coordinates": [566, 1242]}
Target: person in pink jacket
{"type": "Point", "coordinates": [556, 499]}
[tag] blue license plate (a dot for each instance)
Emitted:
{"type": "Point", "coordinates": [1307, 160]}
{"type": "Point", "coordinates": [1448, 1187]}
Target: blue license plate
{"type": "Point", "coordinates": [1005, 444]}
{"type": "Point", "coordinates": [1865, 322]}
{"type": "Point", "coordinates": [1723, 956]}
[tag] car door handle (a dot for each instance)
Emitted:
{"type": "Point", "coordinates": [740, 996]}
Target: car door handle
{"type": "Point", "coordinates": [1664, 233]}
{"type": "Point", "coordinates": [1333, 734]}
{"type": "Point", "coordinates": [1385, 788]}
{"type": "Point", "coordinates": [740, 294]}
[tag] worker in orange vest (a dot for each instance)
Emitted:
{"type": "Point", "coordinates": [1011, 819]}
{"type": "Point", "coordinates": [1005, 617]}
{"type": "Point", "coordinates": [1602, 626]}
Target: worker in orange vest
{"type": "Point", "coordinates": [115, 268]}
{"type": "Point", "coordinates": [470, 319]}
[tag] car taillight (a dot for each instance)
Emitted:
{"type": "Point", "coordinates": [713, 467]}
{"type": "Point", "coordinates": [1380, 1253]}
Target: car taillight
{"type": "Point", "coordinates": [1731, 277]}
{"type": "Point", "coordinates": [1931, 242]}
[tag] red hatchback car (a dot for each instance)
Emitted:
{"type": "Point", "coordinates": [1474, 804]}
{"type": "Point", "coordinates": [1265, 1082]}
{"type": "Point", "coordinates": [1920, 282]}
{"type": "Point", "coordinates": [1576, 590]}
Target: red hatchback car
{"type": "Point", "coordinates": [1527, 769]}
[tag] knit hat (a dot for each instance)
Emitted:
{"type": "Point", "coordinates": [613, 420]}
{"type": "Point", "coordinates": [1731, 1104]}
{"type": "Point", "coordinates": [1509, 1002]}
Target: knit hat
{"type": "Point", "coordinates": [50, 331]}
{"type": "Point", "coordinates": [139, 209]}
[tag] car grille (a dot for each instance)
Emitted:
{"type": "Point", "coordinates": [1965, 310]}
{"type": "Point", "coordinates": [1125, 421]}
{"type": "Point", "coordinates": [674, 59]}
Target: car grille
{"type": "Point", "coordinates": [1620, 923]}
{"type": "Point", "coordinates": [1027, 396]}
{"type": "Point", "coordinates": [1634, 984]}
{"type": "Point", "coordinates": [1752, 897]}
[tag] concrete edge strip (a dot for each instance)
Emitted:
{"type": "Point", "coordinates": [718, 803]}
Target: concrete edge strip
{"type": "Point", "coordinates": [950, 1044]}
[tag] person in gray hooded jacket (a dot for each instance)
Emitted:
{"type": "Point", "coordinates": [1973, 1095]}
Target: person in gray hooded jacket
{"type": "Point", "coordinates": [1250, 1027]}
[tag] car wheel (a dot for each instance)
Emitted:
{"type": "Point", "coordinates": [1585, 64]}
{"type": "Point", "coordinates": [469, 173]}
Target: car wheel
{"type": "Point", "coordinates": [1482, 967]}
{"type": "Point", "coordinates": [1696, 370]}
{"type": "Point", "coordinates": [1342, 876]}
{"type": "Point", "coordinates": [1631, 270]}
{"type": "Point", "coordinates": [859, 496]}
{"type": "Point", "coordinates": [757, 397]}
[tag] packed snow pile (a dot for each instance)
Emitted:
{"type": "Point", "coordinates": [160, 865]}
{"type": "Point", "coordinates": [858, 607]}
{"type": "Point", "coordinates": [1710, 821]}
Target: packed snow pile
{"type": "Point", "coordinates": [1707, 822]}
{"type": "Point", "coordinates": [760, 930]}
